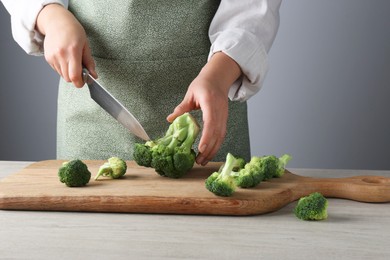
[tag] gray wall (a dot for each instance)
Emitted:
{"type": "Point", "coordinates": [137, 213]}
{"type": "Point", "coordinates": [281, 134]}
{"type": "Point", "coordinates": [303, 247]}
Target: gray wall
{"type": "Point", "coordinates": [325, 99]}
{"type": "Point", "coordinates": [28, 91]}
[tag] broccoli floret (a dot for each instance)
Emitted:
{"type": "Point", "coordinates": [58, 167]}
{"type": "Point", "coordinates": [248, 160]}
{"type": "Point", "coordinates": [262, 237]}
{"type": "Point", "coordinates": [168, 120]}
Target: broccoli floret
{"type": "Point", "coordinates": [143, 154]}
{"type": "Point", "coordinates": [282, 162]}
{"type": "Point", "coordinates": [251, 175]}
{"type": "Point", "coordinates": [222, 183]}
{"type": "Point", "coordinates": [172, 155]}
{"type": "Point", "coordinates": [312, 207]}
{"type": "Point", "coordinates": [114, 168]}
{"type": "Point", "coordinates": [273, 167]}
{"type": "Point", "coordinates": [211, 179]}
{"type": "Point", "coordinates": [239, 164]}
{"type": "Point", "coordinates": [269, 166]}
{"type": "Point", "coordinates": [259, 169]}
{"type": "Point", "coordinates": [74, 173]}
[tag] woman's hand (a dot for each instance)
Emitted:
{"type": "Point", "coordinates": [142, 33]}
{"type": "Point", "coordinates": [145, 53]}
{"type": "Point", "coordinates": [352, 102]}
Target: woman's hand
{"type": "Point", "coordinates": [65, 45]}
{"type": "Point", "coordinates": [209, 92]}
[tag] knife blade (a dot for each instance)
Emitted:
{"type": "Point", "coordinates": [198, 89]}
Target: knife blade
{"type": "Point", "coordinates": [112, 106]}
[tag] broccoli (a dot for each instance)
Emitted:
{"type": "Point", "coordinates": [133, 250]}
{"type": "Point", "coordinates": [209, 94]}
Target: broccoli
{"type": "Point", "coordinates": [239, 164]}
{"type": "Point", "coordinates": [74, 173]}
{"type": "Point", "coordinates": [268, 166]}
{"type": "Point", "coordinates": [274, 167]}
{"type": "Point", "coordinates": [222, 183]}
{"type": "Point", "coordinates": [312, 207]}
{"type": "Point", "coordinates": [251, 175]}
{"type": "Point", "coordinates": [142, 153]}
{"type": "Point", "coordinates": [114, 168]}
{"type": "Point", "coordinates": [259, 169]}
{"type": "Point", "coordinates": [171, 155]}
{"type": "Point", "coordinates": [282, 162]}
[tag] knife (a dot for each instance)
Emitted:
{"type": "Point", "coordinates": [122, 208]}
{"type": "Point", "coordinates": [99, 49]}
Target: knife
{"type": "Point", "coordinates": [111, 105]}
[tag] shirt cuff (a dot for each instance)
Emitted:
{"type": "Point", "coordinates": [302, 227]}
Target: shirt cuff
{"type": "Point", "coordinates": [23, 26]}
{"type": "Point", "coordinates": [245, 49]}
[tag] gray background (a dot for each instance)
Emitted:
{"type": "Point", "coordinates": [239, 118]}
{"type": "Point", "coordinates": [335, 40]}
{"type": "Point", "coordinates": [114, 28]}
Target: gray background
{"type": "Point", "coordinates": [325, 99]}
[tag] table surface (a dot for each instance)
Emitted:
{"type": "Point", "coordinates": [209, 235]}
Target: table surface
{"type": "Point", "coordinates": [353, 230]}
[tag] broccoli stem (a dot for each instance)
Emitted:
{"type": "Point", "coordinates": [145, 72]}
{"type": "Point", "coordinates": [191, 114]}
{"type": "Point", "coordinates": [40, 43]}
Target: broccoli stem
{"type": "Point", "coordinates": [192, 133]}
{"type": "Point", "coordinates": [165, 140]}
{"type": "Point", "coordinates": [177, 138]}
{"type": "Point", "coordinates": [104, 170]}
{"type": "Point", "coordinates": [228, 166]}
{"type": "Point", "coordinates": [176, 133]}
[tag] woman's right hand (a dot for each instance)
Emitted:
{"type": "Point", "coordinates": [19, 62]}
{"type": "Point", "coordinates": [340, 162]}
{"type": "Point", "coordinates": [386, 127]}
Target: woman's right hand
{"type": "Point", "coordinates": [66, 46]}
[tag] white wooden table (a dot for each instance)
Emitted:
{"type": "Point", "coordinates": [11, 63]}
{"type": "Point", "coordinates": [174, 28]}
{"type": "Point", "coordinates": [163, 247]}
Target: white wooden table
{"type": "Point", "coordinates": [354, 230]}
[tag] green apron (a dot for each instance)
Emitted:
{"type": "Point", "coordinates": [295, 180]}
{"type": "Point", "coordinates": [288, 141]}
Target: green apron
{"type": "Point", "coordinates": [147, 52]}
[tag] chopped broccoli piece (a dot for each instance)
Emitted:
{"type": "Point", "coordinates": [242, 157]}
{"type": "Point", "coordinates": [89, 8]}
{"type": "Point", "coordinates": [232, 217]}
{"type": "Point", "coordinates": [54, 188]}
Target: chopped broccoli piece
{"type": "Point", "coordinates": [240, 164]}
{"type": "Point", "coordinates": [74, 173]}
{"type": "Point", "coordinates": [114, 168]}
{"type": "Point", "coordinates": [143, 154]}
{"type": "Point", "coordinates": [172, 155]}
{"type": "Point", "coordinates": [269, 166]}
{"type": "Point", "coordinates": [283, 160]}
{"type": "Point", "coordinates": [259, 169]}
{"type": "Point", "coordinates": [312, 207]}
{"type": "Point", "coordinates": [222, 183]}
{"type": "Point", "coordinates": [211, 179]}
{"type": "Point", "coordinates": [251, 175]}
{"type": "Point", "coordinates": [273, 167]}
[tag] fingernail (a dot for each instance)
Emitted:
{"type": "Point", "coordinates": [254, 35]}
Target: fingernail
{"type": "Point", "coordinates": [202, 148]}
{"type": "Point", "coordinates": [200, 160]}
{"type": "Point", "coordinates": [204, 163]}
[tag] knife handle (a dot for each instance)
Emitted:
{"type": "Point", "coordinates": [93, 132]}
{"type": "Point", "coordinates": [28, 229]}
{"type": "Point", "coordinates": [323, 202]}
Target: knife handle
{"type": "Point", "coordinates": [85, 75]}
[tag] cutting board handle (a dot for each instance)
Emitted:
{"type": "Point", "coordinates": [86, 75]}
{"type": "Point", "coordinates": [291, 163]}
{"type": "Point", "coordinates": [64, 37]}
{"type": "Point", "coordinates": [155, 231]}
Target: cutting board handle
{"type": "Point", "coordinates": [358, 188]}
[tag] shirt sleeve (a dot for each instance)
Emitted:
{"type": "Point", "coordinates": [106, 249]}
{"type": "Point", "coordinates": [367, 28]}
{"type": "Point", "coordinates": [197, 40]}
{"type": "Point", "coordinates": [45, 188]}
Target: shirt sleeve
{"type": "Point", "coordinates": [245, 30]}
{"type": "Point", "coordinates": [23, 18]}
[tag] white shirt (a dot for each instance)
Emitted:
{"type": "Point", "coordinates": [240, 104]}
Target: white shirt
{"type": "Point", "coordinates": [242, 29]}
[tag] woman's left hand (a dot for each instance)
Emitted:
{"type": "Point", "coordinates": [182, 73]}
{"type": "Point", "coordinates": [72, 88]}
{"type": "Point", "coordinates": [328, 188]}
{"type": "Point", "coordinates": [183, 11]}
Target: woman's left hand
{"type": "Point", "coordinates": [209, 92]}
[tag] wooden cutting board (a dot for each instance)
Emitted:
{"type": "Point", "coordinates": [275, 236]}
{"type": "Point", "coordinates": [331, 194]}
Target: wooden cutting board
{"type": "Point", "coordinates": [37, 187]}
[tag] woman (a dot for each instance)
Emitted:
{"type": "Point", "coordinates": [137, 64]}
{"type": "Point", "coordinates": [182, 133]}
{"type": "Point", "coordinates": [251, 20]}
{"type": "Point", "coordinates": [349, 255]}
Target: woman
{"type": "Point", "coordinates": [155, 57]}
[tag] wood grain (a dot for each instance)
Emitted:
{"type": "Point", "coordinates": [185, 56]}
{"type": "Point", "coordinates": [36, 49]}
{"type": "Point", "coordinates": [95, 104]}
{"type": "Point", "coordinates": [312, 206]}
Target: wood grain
{"type": "Point", "coordinates": [37, 187]}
